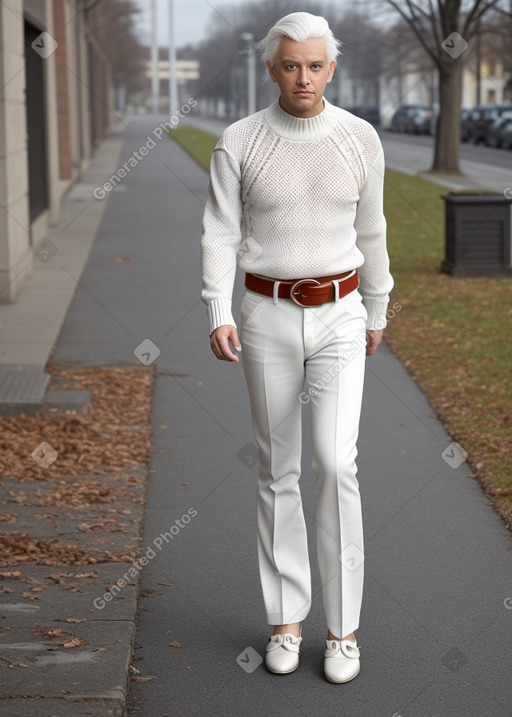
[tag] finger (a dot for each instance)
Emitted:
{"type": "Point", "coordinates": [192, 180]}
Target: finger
{"type": "Point", "coordinates": [236, 341]}
{"type": "Point", "coordinates": [225, 351]}
{"type": "Point", "coordinates": [217, 352]}
{"type": "Point", "coordinates": [215, 347]}
{"type": "Point", "coordinates": [369, 343]}
{"type": "Point", "coordinates": [372, 343]}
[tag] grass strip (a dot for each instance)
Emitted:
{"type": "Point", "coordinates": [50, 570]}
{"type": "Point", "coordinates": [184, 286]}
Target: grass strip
{"type": "Point", "coordinates": [198, 143]}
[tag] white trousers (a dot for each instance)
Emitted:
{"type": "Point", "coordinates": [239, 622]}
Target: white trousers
{"type": "Point", "coordinates": [293, 356]}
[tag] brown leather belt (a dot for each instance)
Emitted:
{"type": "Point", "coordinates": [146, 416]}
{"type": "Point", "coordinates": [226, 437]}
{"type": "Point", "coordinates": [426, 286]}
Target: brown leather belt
{"type": "Point", "coordinates": [305, 292]}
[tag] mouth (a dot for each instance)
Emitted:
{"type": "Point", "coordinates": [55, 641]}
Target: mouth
{"type": "Point", "coordinates": [303, 93]}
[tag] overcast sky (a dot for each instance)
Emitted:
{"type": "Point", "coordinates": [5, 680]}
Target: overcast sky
{"type": "Point", "coordinates": [191, 17]}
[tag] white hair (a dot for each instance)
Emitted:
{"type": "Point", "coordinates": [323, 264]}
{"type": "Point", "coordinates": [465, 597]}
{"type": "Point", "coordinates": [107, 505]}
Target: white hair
{"type": "Point", "coordinates": [299, 26]}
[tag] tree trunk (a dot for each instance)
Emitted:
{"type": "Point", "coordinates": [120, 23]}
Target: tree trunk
{"type": "Point", "coordinates": [447, 145]}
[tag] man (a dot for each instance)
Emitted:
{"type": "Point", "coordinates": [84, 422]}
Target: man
{"type": "Point", "coordinates": [295, 196]}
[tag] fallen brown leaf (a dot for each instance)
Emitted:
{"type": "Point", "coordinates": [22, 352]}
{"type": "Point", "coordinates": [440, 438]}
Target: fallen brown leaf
{"type": "Point", "coordinates": [110, 438]}
{"type": "Point", "coordinates": [137, 678]}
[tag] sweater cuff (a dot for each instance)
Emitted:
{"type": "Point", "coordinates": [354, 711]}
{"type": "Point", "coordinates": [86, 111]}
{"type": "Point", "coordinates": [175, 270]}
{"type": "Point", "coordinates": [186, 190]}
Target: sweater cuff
{"type": "Point", "coordinates": [377, 318]}
{"type": "Point", "coordinates": [219, 314]}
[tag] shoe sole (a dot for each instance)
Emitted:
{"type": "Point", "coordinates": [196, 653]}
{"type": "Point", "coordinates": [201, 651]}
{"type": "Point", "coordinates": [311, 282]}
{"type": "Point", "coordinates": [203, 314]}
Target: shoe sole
{"type": "Point", "coordinates": [342, 682]}
{"type": "Point", "coordinates": [274, 672]}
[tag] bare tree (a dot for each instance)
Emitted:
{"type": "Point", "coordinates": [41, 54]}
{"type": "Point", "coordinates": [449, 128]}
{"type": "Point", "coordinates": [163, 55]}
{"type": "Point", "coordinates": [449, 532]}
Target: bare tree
{"type": "Point", "coordinates": [445, 30]}
{"type": "Point", "coordinates": [113, 23]}
{"type": "Point", "coordinates": [497, 47]}
{"type": "Point", "coordinates": [362, 52]}
{"type": "Point", "coordinates": [401, 56]}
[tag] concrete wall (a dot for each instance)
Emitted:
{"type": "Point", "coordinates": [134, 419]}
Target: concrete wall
{"type": "Point", "coordinates": [69, 89]}
{"type": "Point", "coordinates": [15, 254]}
{"type": "Point", "coordinates": [492, 85]}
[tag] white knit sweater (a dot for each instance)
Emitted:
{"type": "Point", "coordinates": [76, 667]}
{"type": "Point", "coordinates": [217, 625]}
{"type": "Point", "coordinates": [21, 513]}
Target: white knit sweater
{"type": "Point", "coordinates": [294, 197]}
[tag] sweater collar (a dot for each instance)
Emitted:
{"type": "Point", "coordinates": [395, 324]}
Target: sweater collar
{"type": "Point", "coordinates": [301, 128]}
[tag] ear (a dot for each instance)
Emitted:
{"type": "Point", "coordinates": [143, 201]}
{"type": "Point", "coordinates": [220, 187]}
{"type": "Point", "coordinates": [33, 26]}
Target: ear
{"type": "Point", "coordinates": [332, 67]}
{"type": "Point", "coordinates": [271, 71]}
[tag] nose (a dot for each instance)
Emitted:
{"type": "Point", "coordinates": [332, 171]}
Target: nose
{"type": "Point", "coordinates": [303, 79]}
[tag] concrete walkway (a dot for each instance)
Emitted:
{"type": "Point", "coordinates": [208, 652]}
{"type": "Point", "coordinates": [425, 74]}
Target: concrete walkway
{"type": "Point", "coordinates": [30, 325]}
{"type": "Point", "coordinates": [436, 620]}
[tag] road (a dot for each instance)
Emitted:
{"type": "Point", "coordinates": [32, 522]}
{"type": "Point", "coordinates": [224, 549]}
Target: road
{"type": "Point", "coordinates": [484, 167]}
{"type": "Point", "coordinates": [500, 158]}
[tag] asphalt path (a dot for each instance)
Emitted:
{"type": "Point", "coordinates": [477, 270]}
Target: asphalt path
{"type": "Point", "coordinates": [436, 624]}
{"type": "Point", "coordinates": [468, 151]}
{"type": "Point", "coordinates": [482, 167]}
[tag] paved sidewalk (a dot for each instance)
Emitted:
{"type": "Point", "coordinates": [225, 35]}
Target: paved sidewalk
{"type": "Point", "coordinates": [435, 622]}
{"type": "Point", "coordinates": [30, 325]}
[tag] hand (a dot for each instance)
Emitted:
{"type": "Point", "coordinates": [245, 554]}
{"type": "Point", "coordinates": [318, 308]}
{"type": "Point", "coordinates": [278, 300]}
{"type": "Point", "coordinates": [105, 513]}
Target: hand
{"type": "Point", "coordinates": [220, 340]}
{"type": "Point", "coordinates": [373, 340]}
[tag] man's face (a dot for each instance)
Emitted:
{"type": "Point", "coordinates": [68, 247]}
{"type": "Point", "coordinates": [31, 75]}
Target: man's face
{"type": "Point", "coordinates": [301, 70]}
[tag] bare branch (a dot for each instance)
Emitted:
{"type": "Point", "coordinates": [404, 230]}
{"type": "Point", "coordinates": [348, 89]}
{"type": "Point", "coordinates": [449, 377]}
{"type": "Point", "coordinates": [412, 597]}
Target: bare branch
{"type": "Point", "coordinates": [411, 21]}
{"type": "Point", "coordinates": [437, 40]}
{"type": "Point", "coordinates": [479, 9]}
{"type": "Point", "coordinates": [505, 13]}
{"type": "Point", "coordinates": [471, 15]}
{"type": "Point", "coordinates": [413, 7]}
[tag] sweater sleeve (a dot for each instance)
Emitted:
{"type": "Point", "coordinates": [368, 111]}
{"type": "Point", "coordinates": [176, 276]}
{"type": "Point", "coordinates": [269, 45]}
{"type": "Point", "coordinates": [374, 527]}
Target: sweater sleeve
{"type": "Point", "coordinates": [370, 224]}
{"type": "Point", "coordinates": [221, 236]}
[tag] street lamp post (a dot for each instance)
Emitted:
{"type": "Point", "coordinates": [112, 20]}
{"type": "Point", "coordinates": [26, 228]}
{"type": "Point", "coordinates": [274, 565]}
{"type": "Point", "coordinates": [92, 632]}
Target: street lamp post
{"type": "Point", "coordinates": [155, 81]}
{"type": "Point", "coordinates": [173, 88]}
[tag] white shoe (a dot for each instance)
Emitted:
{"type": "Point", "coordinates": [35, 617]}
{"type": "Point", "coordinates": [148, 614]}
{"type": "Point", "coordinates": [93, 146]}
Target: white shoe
{"type": "Point", "coordinates": [341, 663]}
{"type": "Point", "coordinates": [282, 653]}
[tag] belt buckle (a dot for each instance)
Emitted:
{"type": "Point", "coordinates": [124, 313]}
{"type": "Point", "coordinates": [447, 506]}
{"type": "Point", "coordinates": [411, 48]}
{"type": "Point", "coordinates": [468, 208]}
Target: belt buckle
{"type": "Point", "coordinates": [294, 293]}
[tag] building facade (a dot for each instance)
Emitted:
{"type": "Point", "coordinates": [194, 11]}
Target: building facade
{"type": "Point", "coordinates": [55, 95]}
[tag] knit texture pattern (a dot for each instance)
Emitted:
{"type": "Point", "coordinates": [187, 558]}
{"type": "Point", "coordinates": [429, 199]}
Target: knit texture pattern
{"type": "Point", "coordinates": [293, 197]}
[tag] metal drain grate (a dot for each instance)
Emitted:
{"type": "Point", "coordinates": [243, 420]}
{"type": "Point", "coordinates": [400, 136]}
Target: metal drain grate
{"type": "Point", "coordinates": [22, 384]}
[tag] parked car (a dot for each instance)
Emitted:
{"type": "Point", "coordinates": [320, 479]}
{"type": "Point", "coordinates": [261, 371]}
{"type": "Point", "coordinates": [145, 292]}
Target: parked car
{"type": "Point", "coordinates": [506, 134]}
{"type": "Point", "coordinates": [422, 121]}
{"type": "Point", "coordinates": [496, 133]}
{"type": "Point", "coordinates": [464, 125]}
{"type": "Point", "coordinates": [370, 113]}
{"type": "Point", "coordinates": [481, 118]}
{"type": "Point", "coordinates": [413, 119]}
{"type": "Point", "coordinates": [400, 119]}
